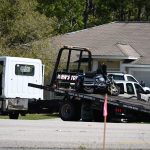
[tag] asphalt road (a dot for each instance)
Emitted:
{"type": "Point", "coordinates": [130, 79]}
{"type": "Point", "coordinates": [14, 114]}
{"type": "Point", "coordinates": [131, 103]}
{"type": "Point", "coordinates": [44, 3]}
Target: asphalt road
{"type": "Point", "coordinates": [57, 134]}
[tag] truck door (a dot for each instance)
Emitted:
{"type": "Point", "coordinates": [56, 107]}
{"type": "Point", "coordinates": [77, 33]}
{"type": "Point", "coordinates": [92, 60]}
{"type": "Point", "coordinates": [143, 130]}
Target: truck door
{"type": "Point", "coordinates": [126, 89]}
{"type": "Point", "coordinates": [139, 89]}
{"type": "Point", "coordinates": [28, 73]}
{"type": "Point", "coordinates": [21, 73]}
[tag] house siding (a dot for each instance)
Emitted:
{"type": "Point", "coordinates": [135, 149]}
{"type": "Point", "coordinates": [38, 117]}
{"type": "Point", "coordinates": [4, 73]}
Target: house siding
{"type": "Point", "coordinates": [112, 65]}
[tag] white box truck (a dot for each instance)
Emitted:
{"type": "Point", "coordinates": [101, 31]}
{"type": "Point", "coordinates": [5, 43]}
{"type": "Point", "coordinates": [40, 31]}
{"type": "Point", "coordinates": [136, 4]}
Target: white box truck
{"type": "Point", "coordinates": [15, 74]}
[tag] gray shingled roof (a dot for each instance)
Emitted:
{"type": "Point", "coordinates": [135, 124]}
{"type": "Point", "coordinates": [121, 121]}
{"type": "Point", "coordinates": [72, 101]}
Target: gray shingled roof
{"type": "Point", "coordinates": [103, 40]}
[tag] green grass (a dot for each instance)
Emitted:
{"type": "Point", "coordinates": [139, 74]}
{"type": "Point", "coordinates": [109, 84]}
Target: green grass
{"type": "Point", "coordinates": [33, 116]}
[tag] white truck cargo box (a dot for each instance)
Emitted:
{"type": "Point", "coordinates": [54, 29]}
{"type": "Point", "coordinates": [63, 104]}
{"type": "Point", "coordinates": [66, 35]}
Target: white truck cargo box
{"type": "Point", "coordinates": [16, 73]}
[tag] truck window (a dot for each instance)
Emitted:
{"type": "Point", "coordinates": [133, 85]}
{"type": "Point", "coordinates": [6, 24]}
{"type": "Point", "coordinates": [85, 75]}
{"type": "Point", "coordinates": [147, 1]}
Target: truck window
{"type": "Point", "coordinates": [116, 77]}
{"type": "Point", "coordinates": [129, 78]}
{"type": "Point", "coordinates": [121, 87]}
{"type": "Point", "coordinates": [130, 89]}
{"type": "Point", "coordinates": [24, 70]}
{"type": "Point", "coordinates": [139, 89]}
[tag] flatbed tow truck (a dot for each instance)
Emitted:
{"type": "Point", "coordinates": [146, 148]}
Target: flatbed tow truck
{"type": "Point", "coordinates": [77, 105]}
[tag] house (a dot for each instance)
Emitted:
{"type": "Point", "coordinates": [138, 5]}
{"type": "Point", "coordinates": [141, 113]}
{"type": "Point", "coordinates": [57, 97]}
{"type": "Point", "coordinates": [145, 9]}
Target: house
{"type": "Point", "coordinates": [122, 46]}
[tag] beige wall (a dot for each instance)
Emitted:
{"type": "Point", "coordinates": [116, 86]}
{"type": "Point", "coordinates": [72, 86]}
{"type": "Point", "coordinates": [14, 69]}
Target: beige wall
{"type": "Point", "coordinates": [112, 65]}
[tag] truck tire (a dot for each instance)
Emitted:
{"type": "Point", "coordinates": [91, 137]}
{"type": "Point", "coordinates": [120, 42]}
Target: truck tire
{"type": "Point", "coordinates": [98, 116]}
{"type": "Point", "coordinates": [86, 111]}
{"type": "Point", "coordinates": [13, 115]}
{"type": "Point", "coordinates": [70, 111]}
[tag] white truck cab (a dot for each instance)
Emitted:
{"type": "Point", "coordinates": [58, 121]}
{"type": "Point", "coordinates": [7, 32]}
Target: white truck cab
{"type": "Point", "coordinates": [15, 74]}
{"type": "Point", "coordinates": [126, 77]}
{"type": "Point", "coordinates": [130, 89]}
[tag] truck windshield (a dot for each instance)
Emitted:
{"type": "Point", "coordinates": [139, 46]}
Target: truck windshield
{"type": "Point", "coordinates": [139, 89]}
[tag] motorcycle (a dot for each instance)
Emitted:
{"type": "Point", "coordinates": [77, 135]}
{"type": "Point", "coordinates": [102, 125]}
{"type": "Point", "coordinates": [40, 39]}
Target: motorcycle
{"type": "Point", "coordinates": [96, 83]}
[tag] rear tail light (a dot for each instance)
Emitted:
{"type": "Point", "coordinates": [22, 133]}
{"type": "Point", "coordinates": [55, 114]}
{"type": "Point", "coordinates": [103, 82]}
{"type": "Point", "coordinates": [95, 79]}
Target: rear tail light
{"type": "Point", "coordinates": [119, 110]}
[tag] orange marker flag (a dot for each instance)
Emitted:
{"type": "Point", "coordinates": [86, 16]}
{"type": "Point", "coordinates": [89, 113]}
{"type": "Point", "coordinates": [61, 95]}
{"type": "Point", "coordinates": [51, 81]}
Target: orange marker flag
{"type": "Point", "coordinates": [105, 112]}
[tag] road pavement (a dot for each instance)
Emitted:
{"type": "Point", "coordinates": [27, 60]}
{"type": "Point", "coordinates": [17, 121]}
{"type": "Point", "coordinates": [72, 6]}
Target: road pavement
{"type": "Point", "coordinates": [58, 134]}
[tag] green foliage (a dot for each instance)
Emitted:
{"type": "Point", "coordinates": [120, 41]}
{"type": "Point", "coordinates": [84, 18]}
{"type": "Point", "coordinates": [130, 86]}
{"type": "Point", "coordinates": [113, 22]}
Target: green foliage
{"type": "Point", "coordinates": [24, 21]}
{"type": "Point", "coordinates": [72, 15]}
{"type": "Point", "coordinates": [68, 14]}
{"type": "Point", "coordinates": [26, 25]}
{"type": "Point", "coordinates": [21, 23]}
{"type": "Point", "coordinates": [24, 30]}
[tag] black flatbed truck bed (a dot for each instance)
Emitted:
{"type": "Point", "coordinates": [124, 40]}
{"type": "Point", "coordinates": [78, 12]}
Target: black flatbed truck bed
{"type": "Point", "coordinates": [133, 109]}
{"type": "Point", "coordinates": [131, 103]}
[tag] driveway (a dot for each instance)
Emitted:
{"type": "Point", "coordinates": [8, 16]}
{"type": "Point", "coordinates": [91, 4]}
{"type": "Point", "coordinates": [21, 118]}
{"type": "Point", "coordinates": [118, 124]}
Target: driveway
{"type": "Point", "coordinates": [58, 134]}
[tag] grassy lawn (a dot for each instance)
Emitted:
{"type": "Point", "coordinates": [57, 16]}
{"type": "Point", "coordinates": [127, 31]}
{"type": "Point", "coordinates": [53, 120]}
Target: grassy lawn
{"type": "Point", "coordinates": [33, 116]}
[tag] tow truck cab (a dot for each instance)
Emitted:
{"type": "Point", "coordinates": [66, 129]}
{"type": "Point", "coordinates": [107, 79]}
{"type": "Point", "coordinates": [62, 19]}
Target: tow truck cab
{"type": "Point", "coordinates": [15, 74]}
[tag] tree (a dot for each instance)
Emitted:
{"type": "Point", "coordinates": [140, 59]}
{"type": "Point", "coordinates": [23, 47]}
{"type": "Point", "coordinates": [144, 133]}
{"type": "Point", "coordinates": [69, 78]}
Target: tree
{"type": "Point", "coordinates": [23, 29]}
{"type": "Point", "coordinates": [103, 12]}
{"type": "Point", "coordinates": [147, 10]}
{"type": "Point", "coordinates": [68, 14]}
{"type": "Point", "coordinates": [20, 22]}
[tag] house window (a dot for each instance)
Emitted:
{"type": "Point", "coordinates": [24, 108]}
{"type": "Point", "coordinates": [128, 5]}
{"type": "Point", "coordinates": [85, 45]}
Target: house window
{"type": "Point", "coordinates": [24, 70]}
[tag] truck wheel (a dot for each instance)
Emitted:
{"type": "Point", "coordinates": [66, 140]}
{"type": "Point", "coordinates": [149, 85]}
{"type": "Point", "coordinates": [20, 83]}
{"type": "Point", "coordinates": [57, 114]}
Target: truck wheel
{"type": "Point", "coordinates": [70, 111]}
{"type": "Point", "coordinates": [97, 116]}
{"type": "Point", "coordinates": [86, 111]}
{"type": "Point", "coordinates": [13, 115]}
